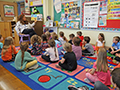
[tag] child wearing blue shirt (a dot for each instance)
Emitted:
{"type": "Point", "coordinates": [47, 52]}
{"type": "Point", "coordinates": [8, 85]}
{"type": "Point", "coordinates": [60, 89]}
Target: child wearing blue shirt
{"type": "Point", "coordinates": [115, 49]}
{"type": "Point", "coordinates": [1, 44]}
{"type": "Point", "coordinates": [115, 46]}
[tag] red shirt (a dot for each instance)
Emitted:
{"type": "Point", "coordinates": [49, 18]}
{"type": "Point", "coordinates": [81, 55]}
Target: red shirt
{"type": "Point", "coordinates": [81, 38]}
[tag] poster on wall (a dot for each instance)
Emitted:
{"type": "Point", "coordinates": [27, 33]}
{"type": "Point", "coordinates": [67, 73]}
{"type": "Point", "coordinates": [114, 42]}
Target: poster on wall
{"type": "Point", "coordinates": [113, 9]}
{"type": "Point", "coordinates": [9, 11]}
{"type": "Point", "coordinates": [70, 14]}
{"type": "Point", "coordinates": [103, 7]}
{"type": "Point", "coordinates": [57, 4]}
{"type": "Point", "coordinates": [36, 2]}
{"type": "Point", "coordinates": [91, 14]}
{"type": "Point", "coordinates": [102, 20]}
{"type": "Point", "coordinates": [103, 13]}
{"type": "Point", "coordinates": [27, 8]}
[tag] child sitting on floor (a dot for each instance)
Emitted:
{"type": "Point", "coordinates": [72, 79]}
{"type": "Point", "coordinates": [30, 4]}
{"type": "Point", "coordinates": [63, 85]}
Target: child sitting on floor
{"type": "Point", "coordinates": [44, 42]}
{"type": "Point", "coordinates": [62, 38]}
{"type": "Point", "coordinates": [8, 52]}
{"type": "Point", "coordinates": [36, 45]}
{"type": "Point", "coordinates": [76, 47]}
{"type": "Point", "coordinates": [69, 61]}
{"type": "Point", "coordinates": [57, 44]}
{"type": "Point", "coordinates": [87, 48]}
{"type": "Point", "coordinates": [52, 34]}
{"type": "Point", "coordinates": [23, 59]}
{"type": "Point", "coordinates": [100, 42]}
{"type": "Point", "coordinates": [71, 36]}
{"type": "Point", "coordinates": [1, 44]}
{"type": "Point", "coordinates": [100, 70]}
{"type": "Point", "coordinates": [48, 35]}
{"type": "Point", "coordinates": [51, 54]}
{"type": "Point", "coordinates": [79, 34]}
{"type": "Point", "coordinates": [115, 80]}
{"type": "Point", "coordinates": [115, 49]}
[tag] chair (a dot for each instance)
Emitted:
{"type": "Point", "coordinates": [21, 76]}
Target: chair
{"type": "Point", "coordinates": [21, 36]}
{"type": "Point", "coordinates": [24, 35]}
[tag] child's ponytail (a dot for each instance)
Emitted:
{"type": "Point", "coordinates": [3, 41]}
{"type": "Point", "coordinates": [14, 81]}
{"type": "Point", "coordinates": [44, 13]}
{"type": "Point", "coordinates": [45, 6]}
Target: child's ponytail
{"type": "Point", "coordinates": [52, 44]}
{"type": "Point", "coordinates": [22, 57]}
{"type": "Point", "coordinates": [55, 51]}
{"type": "Point", "coordinates": [23, 47]}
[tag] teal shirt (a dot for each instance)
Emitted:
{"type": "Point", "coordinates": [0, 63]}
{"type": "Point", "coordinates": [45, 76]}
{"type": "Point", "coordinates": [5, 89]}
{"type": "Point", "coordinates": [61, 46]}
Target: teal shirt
{"type": "Point", "coordinates": [18, 59]}
{"type": "Point", "coordinates": [1, 46]}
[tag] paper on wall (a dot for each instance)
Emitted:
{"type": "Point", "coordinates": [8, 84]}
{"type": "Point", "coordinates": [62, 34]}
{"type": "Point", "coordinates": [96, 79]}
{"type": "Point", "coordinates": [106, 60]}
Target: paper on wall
{"type": "Point", "coordinates": [57, 4]}
{"type": "Point", "coordinates": [91, 13]}
{"type": "Point", "coordinates": [102, 20]}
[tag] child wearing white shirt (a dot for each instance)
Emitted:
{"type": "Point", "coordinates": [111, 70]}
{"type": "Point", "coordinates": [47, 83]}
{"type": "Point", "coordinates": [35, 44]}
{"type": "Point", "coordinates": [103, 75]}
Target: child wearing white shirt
{"type": "Point", "coordinates": [100, 43]}
{"type": "Point", "coordinates": [51, 54]}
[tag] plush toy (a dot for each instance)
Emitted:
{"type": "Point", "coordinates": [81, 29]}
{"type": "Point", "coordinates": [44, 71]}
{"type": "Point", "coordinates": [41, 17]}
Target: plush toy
{"type": "Point", "coordinates": [35, 11]}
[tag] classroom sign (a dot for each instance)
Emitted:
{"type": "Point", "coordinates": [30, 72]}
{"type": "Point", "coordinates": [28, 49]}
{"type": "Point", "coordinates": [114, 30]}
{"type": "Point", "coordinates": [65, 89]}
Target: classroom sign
{"type": "Point", "coordinates": [113, 9]}
{"type": "Point", "coordinates": [9, 11]}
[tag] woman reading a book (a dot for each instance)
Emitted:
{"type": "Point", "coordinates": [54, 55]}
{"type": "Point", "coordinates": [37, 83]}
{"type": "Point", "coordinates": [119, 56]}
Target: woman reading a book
{"type": "Point", "coordinates": [23, 27]}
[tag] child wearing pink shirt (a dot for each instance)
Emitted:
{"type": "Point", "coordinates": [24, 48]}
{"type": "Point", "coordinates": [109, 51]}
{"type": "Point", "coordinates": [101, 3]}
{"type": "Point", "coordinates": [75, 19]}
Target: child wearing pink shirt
{"type": "Point", "coordinates": [100, 70]}
{"type": "Point", "coordinates": [76, 48]}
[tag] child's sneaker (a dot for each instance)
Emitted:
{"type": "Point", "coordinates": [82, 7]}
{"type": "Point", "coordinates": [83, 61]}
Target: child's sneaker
{"type": "Point", "coordinates": [87, 80]}
{"type": "Point", "coordinates": [34, 66]}
{"type": "Point", "coordinates": [57, 66]}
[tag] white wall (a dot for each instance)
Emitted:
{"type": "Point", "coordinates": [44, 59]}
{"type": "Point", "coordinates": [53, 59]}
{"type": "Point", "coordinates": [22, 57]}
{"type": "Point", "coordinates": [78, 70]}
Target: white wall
{"type": "Point", "coordinates": [93, 34]}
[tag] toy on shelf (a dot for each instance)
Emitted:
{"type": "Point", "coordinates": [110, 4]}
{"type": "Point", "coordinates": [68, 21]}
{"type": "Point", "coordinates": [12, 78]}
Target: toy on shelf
{"type": "Point", "coordinates": [49, 22]}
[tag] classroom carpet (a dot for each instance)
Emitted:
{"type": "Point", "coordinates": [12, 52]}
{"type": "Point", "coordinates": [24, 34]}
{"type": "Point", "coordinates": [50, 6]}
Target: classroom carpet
{"type": "Point", "coordinates": [48, 77]}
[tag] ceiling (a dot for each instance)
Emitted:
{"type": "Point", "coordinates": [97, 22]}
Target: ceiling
{"type": "Point", "coordinates": [11, 0]}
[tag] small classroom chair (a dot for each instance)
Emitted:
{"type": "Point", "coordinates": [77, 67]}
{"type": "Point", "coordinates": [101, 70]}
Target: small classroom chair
{"type": "Point", "coordinates": [21, 37]}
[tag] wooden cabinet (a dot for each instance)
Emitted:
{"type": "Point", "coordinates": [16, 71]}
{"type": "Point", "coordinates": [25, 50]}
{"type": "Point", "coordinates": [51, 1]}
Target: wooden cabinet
{"type": "Point", "coordinates": [6, 30]}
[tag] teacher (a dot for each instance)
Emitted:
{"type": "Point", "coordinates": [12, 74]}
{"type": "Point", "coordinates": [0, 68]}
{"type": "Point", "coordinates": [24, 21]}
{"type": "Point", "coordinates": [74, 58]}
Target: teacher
{"type": "Point", "coordinates": [23, 27]}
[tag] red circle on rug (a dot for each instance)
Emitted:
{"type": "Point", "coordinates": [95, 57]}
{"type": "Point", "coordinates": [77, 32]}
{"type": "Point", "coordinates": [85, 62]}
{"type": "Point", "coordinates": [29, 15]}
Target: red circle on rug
{"type": "Point", "coordinates": [44, 78]}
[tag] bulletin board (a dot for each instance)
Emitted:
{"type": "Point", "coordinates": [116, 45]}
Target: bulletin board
{"type": "Point", "coordinates": [67, 13]}
{"type": "Point", "coordinates": [108, 18]}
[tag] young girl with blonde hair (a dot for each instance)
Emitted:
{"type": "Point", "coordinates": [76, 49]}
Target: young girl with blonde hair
{"type": "Point", "coordinates": [51, 54]}
{"type": "Point", "coordinates": [23, 59]}
{"type": "Point", "coordinates": [100, 70]}
{"type": "Point", "coordinates": [8, 51]}
{"type": "Point", "coordinates": [69, 61]}
{"type": "Point", "coordinates": [36, 45]}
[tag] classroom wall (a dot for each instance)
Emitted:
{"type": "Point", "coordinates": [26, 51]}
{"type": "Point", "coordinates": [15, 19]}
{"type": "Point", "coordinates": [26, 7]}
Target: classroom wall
{"type": "Point", "coordinates": [93, 35]}
{"type": "Point", "coordinates": [2, 3]}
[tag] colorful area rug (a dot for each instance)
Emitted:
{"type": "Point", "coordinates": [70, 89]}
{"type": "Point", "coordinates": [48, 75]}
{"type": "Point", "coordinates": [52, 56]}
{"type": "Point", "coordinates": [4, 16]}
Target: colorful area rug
{"type": "Point", "coordinates": [48, 77]}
